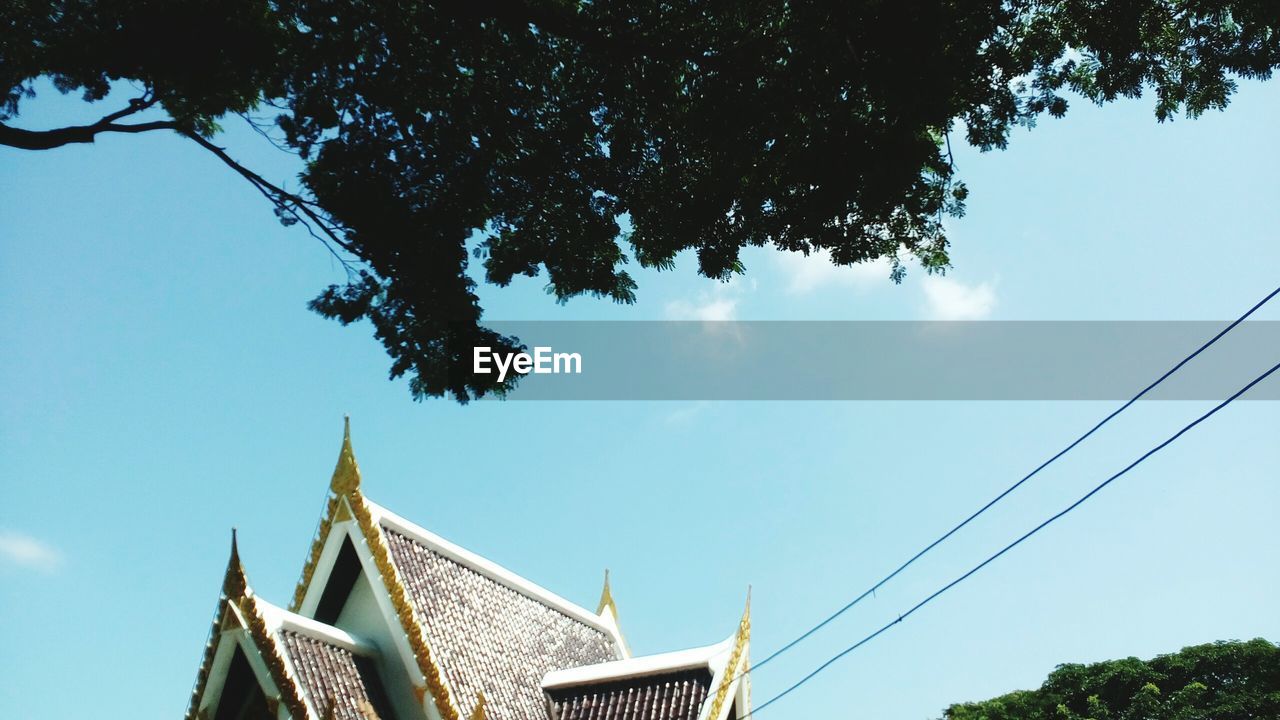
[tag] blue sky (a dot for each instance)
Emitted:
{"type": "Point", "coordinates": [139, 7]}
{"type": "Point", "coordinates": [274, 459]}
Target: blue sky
{"type": "Point", "coordinates": [163, 381]}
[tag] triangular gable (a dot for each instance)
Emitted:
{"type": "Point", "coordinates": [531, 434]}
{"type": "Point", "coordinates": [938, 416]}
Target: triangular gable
{"type": "Point", "coordinates": [239, 627]}
{"type": "Point", "coordinates": [391, 550]}
{"type": "Point", "coordinates": [305, 670]}
{"type": "Point", "coordinates": [348, 516]}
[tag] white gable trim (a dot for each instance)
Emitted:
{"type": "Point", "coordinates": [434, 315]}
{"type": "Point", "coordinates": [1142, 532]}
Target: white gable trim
{"type": "Point", "coordinates": [228, 641]}
{"type": "Point", "coordinates": [278, 618]}
{"type": "Point", "coordinates": [710, 657]}
{"type": "Point", "coordinates": [338, 533]}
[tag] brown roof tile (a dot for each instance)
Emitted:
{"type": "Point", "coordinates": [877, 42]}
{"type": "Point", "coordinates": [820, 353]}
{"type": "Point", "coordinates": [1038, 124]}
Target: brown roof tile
{"type": "Point", "coordinates": [333, 675]}
{"type": "Point", "coordinates": [489, 637]}
{"type": "Point", "coordinates": [669, 696]}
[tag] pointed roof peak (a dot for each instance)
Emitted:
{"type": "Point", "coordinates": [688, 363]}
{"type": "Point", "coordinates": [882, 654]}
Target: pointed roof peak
{"type": "Point", "coordinates": [346, 476]}
{"type": "Point", "coordinates": [606, 597]}
{"type": "Point", "coordinates": [235, 584]}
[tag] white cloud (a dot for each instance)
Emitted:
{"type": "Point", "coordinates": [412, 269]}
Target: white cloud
{"type": "Point", "coordinates": [806, 273]}
{"type": "Point", "coordinates": [949, 299]}
{"type": "Point", "coordinates": [719, 304]}
{"type": "Point", "coordinates": [24, 550]}
{"type": "Point", "coordinates": [707, 309]}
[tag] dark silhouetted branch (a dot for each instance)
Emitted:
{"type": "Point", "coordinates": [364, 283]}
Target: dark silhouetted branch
{"type": "Point", "coordinates": [57, 137]}
{"type": "Point", "coordinates": [295, 206]}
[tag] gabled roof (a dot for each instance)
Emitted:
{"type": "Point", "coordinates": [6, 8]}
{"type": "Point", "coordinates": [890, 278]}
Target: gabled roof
{"type": "Point", "coordinates": [678, 695]}
{"type": "Point", "coordinates": [315, 671]}
{"type": "Point", "coordinates": [489, 636]}
{"type": "Point", "coordinates": [454, 636]}
{"type": "Point", "coordinates": [337, 682]}
{"type": "Point", "coordinates": [697, 684]}
{"type": "Point", "coordinates": [670, 686]}
{"type": "Point", "coordinates": [475, 628]}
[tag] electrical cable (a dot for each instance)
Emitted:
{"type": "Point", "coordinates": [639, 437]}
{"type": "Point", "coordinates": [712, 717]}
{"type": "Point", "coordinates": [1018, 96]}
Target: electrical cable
{"type": "Point", "coordinates": [1013, 544]}
{"type": "Point", "coordinates": [871, 590]}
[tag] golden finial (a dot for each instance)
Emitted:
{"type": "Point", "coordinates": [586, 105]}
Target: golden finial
{"type": "Point", "coordinates": [606, 598]}
{"type": "Point", "coordinates": [478, 713]}
{"type": "Point", "coordinates": [346, 476]}
{"type": "Point", "coordinates": [746, 614]}
{"type": "Point", "coordinates": [234, 583]}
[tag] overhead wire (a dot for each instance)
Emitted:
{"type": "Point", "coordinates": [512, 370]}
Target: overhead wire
{"type": "Point", "coordinates": [945, 536]}
{"type": "Point", "coordinates": [1011, 545]}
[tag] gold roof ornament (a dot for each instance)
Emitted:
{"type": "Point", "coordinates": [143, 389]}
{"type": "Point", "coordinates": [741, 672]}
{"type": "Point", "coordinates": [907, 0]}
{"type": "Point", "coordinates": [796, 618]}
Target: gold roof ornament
{"type": "Point", "coordinates": [234, 586]}
{"type": "Point", "coordinates": [273, 658]}
{"type": "Point", "coordinates": [478, 713]}
{"type": "Point", "coordinates": [736, 657]}
{"type": "Point", "coordinates": [606, 598]}
{"type": "Point", "coordinates": [346, 476]}
{"type": "Point", "coordinates": [234, 583]}
{"type": "Point", "coordinates": [345, 482]}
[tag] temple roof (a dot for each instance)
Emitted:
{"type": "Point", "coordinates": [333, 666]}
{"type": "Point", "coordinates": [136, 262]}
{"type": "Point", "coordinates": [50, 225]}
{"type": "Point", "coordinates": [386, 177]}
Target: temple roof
{"type": "Point", "coordinates": [677, 695]}
{"type": "Point", "coordinates": [443, 634]}
{"type": "Point", "coordinates": [491, 636]}
{"type": "Point", "coordinates": [315, 671]}
{"type": "Point", "coordinates": [680, 685]}
{"type": "Point", "coordinates": [339, 683]}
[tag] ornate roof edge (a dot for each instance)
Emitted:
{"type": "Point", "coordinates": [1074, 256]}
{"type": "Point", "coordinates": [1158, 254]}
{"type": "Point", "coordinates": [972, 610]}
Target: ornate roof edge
{"type": "Point", "coordinates": [232, 578]}
{"type": "Point", "coordinates": [346, 479]}
{"type": "Point", "coordinates": [313, 557]}
{"type": "Point", "coordinates": [346, 482]}
{"type": "Point", "coordinates": [290, 690]}
{"type": "Point", "coordinates": [345, 485]}
{"type": "Point", "coordinates": [731, 674]}
{"type": "Point", "coordinates": [437, 686]}
{"type": "Point", "coordinates": [237, 595]}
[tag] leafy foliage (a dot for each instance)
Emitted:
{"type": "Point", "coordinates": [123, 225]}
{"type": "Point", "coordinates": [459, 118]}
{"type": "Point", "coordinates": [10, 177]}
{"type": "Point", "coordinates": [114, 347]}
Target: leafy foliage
{"type": "Point", "coordinates": [537, 126]}
{"type": "Point", "coordinates": [1216, 681]}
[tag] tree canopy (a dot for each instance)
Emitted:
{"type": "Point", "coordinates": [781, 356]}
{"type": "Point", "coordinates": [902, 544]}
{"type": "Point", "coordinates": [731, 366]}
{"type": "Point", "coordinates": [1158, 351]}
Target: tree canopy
{"type": "Point", "coordinates": [526, 135]}
{"type": "Point", "coordinates": [1216, 681]}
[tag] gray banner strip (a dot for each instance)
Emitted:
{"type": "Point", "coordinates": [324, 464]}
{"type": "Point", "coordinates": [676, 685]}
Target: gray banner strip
{"type": "Point", "coordinates": [761, 360]}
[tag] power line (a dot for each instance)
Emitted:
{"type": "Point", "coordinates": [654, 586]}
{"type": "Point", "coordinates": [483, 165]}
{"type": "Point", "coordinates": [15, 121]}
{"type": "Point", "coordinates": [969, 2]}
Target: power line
{"type": "Point", "coordinates": [1013, 544]}
{"type": "Point", "coordinates": [871, 590]}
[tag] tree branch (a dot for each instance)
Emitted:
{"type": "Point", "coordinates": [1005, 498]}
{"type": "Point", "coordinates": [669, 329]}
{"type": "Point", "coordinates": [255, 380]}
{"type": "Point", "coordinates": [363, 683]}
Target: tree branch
{"type": "Point", "coordinates": [57, 137]}
{"type": "Point", "coordinates": [284, 201]}
{"type": "Point", "coordinates": [49, 139]}
{"type": "Point", "coordinates": [296, 206]}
